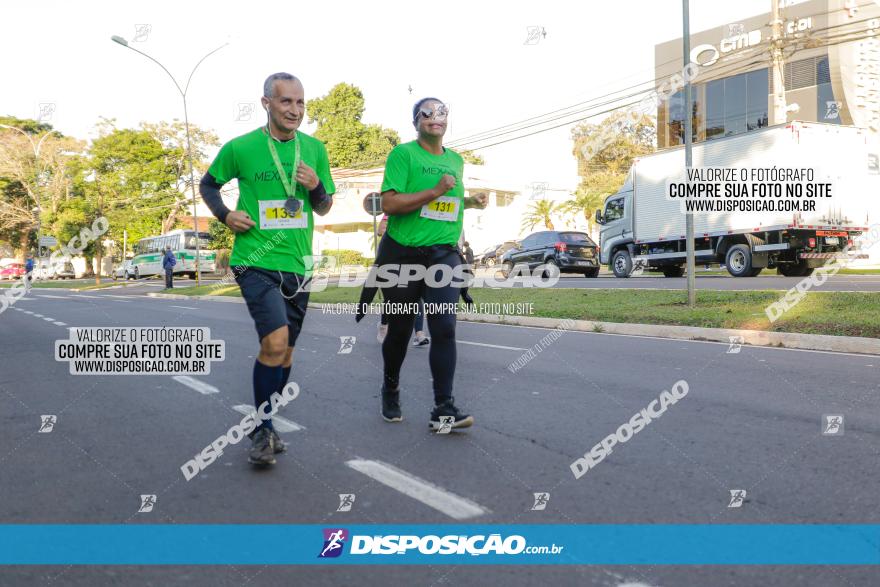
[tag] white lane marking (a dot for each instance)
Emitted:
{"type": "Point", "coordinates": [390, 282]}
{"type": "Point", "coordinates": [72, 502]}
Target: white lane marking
{"type": "Point", "coordinates": [280, 424]}
{"type": "Point", "coordinates": [494, 346]}
{"type": "Point", "coordinates": [47, 319]}
{"type": "Point", "coordinates": [121, 301]}
{"type": "Point", "coordinates": [53, 297]}
{"type": "Point", "coordinates": [193, 383]}
{"type": "Point", "coordinates": [59, 323]}
{"type": "Point", "coordinates": [118, 296]}
{"type": "Point", "coordinates": [185, 307]}
{"type": "Point", "coordinates": [38, 315]}
{"type": "Point", "coordinates": [426, 492]}
{"type": "Point", "coordinates": [27, 311]}
{"type": "Point", "coordinates": [85, 296]}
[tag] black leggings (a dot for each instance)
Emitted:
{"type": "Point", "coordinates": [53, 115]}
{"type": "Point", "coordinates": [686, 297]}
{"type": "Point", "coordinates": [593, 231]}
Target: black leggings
{"type": "Point", "coordinates": [442, 356]}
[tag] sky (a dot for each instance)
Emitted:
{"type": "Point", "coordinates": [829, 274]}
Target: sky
{"type": "Point", "coordinates": [473, 55]}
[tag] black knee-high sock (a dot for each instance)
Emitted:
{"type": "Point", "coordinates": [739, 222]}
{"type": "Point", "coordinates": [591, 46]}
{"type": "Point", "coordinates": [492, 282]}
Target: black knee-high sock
{"type": "Point", "coordinates": [267, 380]}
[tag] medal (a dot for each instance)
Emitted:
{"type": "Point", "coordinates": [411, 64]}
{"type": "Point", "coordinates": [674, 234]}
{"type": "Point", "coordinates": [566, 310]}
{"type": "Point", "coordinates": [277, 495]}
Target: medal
{"type": "Point", "coordinates": [292, 205]}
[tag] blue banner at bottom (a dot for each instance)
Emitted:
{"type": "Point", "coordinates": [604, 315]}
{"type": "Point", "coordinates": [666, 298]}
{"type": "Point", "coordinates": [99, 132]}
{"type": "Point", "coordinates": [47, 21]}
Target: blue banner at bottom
{"type": "Point", "coordinates": [609, 544]}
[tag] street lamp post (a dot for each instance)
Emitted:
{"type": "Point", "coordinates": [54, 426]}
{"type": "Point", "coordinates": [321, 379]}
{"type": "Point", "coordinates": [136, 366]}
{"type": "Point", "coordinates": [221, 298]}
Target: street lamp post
{"type": "Point", "coordinates": [688, 157]}
{"type": "Point", "coordinates": [36, 147]}
{"type": "Point", "coordinates": [192, 181]}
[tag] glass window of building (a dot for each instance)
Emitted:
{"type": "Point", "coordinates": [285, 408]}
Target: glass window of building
{"type": "Point", "coordinates": [736, 104]}
{"type": "Point", "coordinates": [827, 108]}
{"type": "Point", "coordinates": [715, 109]}
{"type": "Point", "coordinates": [758, 90]}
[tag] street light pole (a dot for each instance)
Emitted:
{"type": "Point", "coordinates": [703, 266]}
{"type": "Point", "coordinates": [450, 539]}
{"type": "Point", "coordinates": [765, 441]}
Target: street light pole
{"type": "Point", "coordinates": [36, 147]}
{"type": "Point", "coordinates": [182, 92]}
{"type": "Point", "coordinates": [688, 157]}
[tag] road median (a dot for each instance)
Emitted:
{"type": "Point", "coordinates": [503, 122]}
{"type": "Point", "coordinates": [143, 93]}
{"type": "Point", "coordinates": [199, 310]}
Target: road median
{"type": "Point", "coordinates": [828, 321]}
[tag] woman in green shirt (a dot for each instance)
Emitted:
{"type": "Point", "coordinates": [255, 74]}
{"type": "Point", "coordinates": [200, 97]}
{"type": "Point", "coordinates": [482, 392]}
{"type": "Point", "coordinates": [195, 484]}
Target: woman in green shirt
{"type": "Point", "coordinates": [423, 195]}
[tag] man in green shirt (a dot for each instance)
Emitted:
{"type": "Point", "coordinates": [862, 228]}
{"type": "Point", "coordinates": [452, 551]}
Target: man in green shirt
{"type": "Point", "coordinates": [424, 197]}
{"type": "Point", "coordinates": [283, 177]}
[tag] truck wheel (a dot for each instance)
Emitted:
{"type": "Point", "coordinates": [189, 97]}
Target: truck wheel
{"type": "Point", "coordinates": [739, 261]}
{"type": "Point", "coordinates": [756, 271]}
{"type": "Point", "coordinates": [137, 274]}
{"type": "Point", "coordinates": [673, 271]}
{"type": "Point", "coordinates": [621, 263]}
{"type": "Point", "coordinates": [592, 272]}
{"type": "Point", "coordinates": [506, 268]}
{"type": "Point", "coordinates": [490, 262]}
{"type": "Point", "coordinates": [799, 269]}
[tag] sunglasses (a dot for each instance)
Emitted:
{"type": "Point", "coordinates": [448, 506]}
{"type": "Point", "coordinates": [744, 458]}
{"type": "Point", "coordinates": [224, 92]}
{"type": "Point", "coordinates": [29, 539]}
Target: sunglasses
{"type": "Point", "coordinates": [439, 112]}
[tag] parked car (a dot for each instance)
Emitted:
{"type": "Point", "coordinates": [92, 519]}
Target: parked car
{"type": "Point", "coordinates": [65, 271]}
{"type": "Point", "coordinates": [124, 271]}
{"type": "Point", "coordinates": [568, 251]}
{"type": "Point", "coordinates": [492, 255]}
{"type": "Point", "coordinates": [12, 271]}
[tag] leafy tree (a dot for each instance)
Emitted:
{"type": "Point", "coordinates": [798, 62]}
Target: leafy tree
{"type": "Point", "coordinates": [31, 184]}
{"type": "Point", "coordinates": [615, 142]}
{"type": "Point", "coordinates": [173, 137]}
{"type": "Point", "coordinates": [349, 141]}
{"type": "Point", "coordinates": [221, 236]}
{"type": "Point", "coordinates": [591, 194]}
{"type": "Point", "coordinates": [130, 177]}
{"type": "Point", "coordinates": [539, 212]}
{"type": "Point", "coordinates": [605, 153]}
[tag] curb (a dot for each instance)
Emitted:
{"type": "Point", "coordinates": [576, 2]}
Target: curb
{"type": "Point", "coordinates": [235, 300]}
{"type": "Point", "coordinates": [788, 340]}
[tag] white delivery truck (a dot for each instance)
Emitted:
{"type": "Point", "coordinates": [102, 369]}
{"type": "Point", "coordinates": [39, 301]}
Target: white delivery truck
{"type": "Point", "coordinates": [641, 221]}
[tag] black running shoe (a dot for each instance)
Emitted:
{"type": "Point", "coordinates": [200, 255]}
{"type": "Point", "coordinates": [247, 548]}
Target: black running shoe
{"type": "Point", "coordinates": [447, 408]}
{"type": "Point", "coordinates": [279, 445]}
{"type": "Point", "coordinates": [391, 405]}
{"type": "Point", "coordinates": [263, 448]}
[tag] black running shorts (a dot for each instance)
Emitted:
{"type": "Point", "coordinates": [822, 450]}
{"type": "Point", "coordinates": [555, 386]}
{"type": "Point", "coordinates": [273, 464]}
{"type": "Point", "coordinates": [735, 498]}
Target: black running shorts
{"type": "Point", "coordinates": [273, 299]}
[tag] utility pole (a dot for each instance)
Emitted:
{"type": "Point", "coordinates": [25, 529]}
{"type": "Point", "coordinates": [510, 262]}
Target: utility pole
{"type": "Point", "coordinates": [688, 157]}
{"type": "Point", "coordinates": [777, 62]}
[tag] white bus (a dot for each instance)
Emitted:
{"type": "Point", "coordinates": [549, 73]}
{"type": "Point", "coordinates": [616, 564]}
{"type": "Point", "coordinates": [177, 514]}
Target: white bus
{"type": "Point", "coordinates": [149, 251]}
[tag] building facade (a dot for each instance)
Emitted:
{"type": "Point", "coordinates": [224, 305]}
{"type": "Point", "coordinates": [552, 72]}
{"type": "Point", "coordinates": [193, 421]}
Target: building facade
{"type": "Point", "coordinates": [831, 52]}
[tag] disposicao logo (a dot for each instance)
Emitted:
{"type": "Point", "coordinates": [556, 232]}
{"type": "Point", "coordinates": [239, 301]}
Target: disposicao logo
{"type": "Point", "coordinates": [334, 541]}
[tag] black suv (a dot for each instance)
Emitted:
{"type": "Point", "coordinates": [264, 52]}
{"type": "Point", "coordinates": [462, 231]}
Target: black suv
{"type": "Point", "coordinates": [570, 252]}
{"type": "Point", "coordinates": [492, 255]}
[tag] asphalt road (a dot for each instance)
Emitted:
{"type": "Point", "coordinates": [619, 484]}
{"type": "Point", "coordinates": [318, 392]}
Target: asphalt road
{"type": "Point", "coordinates": [647, 281]}
{"type": "Point", "coordinates": [751, 420]}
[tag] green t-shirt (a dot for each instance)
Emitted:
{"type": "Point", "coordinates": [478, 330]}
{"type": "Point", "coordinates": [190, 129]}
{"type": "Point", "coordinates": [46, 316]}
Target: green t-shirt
{"type": "Point", "coordinates": [278, 241]}
{"type": "Point", "coordinates": [410, 168]}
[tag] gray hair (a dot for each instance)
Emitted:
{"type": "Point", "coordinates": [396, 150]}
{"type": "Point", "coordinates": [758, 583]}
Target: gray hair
{"type": "Point", "coordinates": [268, 85]}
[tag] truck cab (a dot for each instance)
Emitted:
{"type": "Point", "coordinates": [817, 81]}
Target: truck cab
{"type": "Point", "coordinates": [615, 222]}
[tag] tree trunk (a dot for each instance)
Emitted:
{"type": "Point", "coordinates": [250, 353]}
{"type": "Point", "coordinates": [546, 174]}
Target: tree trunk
{"type": "Point", "coordinates": [99, 257]}
{"type": "Point", "coordinates": [589, 220]}
{"type": "Point", "coordinates": [89, 270]}
{"type": "Point", "coordinates": [23, 243]}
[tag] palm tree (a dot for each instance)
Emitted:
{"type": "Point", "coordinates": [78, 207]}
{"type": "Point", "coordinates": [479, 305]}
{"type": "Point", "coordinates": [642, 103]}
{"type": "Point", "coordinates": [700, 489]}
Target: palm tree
{"type": "Point", "coordinates": [585, 203]}
{"type": "Point", "coordinates": [591, 194]}
{"type": "Point", "coordinates": [537, 213]}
